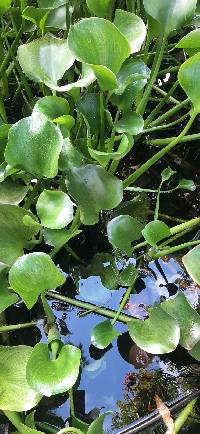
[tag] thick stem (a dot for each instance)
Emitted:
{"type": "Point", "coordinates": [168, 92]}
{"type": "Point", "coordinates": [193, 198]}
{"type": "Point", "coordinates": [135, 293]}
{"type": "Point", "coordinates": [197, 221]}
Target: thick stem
{"type": "Point", "coordinates": [173, 249]}
{"type": "Point", "coordinates": [122, 304]}
{"type": "Point", "coordinates": [71, 397]}
{"type": "Point", "coordinates": [170, 113]}
{"type": "Point", "coordinates": [188, 138]}
{"type": "Point", "coordinates": [165, 94]}
{"type": "Point", "coordinates": [142, 169]}
{"type": "Point", "coordinates": [183, 416]}
{"type": "Point", "coordinates": [157, 109]}
{"type": "Point", "coordinates": [186, 225]}
{"type": "Point", "coordinates": [9, 328]}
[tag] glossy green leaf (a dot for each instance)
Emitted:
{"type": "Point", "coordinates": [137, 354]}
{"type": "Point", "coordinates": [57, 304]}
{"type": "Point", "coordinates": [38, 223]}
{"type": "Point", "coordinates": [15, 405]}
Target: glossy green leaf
{"type": "Point", "coordinates": [132, 71]}
{"type": "Point", "coordinates": [89, 107]}
{"type": "Point", "coordinates": [52, 107]}
{"type": "Point", "coordinates": [70, 156]}
{"type": "Point", "coordinates": [155, 231]}
{"type": "Point", "coordinates": [103, 334]}
{"type": "Point", "coordinates": [159, 334]}
{"type": "Point", "coordinates": [4, 5]}
{"type": "Point", "coordinates": [167, 174]}
{"type": "Point", "coordinates": [171, 14]}
{"type": "Point", "coordinates": [191, 261]}
{"type": "Point", "coordinates": [36, 16]}
{"type": "Point", "coordinates": [50, 377]}
{"type": "Point", "coordinates": [128, 276]}
{"type": "Point", "coordinates": [191, 68]}
{"type": "Point", "coordinates": [13, 233]}
{"type": "Point", "coordinates": [7, 298]}
{"type": "Point", "coordinates": [132, 27]}
{"type": "Point", "coordinates": [86, 79]}
{"type": "Point", "coordinates": [131, 123]}
{"type": "Point", "coordinates": [55, 209]}
{"type": "Point", "coordinates": [34, 145]}
{"type": "Point", "coordinates": [186, 184]}
{"type": "Point", "coordinates": [195, 352]}
{"type": "Point", "coordinates": [96, 427]}
{"type": "Point", "coordinates": [106, 78]}
{"type": "Point", "coordinates": [122, 231]}
{"type": "Point", "coordinates": [37, 59]}
{"type": "Point", "coordinates": [187, 318]}
{"type": "Point", "coordinates": [33, 274]}
{"type": "Point", "coordinates": [101, 8]}
{"type": "Point", "coordinates": [104, 157]}
{"type": "Point", "coordinates": [16, 394]}
{"type": "Point", "coordinates": [57, 18]}
{"type": "Point", "coordinates": [190, 42]}
{"type": "Point", "coordinates": [12, 192]}
{"type": "Point", "coordinates": [94, 190]}
{"type": "Point", "coordinates": [59, 237]}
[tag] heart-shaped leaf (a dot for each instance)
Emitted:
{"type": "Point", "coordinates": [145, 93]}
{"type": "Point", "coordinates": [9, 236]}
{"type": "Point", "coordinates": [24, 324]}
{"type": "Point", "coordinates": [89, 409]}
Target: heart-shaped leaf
{"type": "Point", "coordinates": [103, 334]}
{"type": "Point", "coordinates": [14, 234]}
{"type": "Point", "coordinates": [16, 394]}
{"type": "Point", "coordinates": [186, 317]}
{"type": "Point", "coordinates": [131, 123]}
{"type": "Point", "coordinates": [155, 231]}
{"type": "Point", "coordinates": [37, 16]}
{"type": "Point", "coordinates": [52, 107]}
{"type": "Point", "coordinates": [37, 59]}
{"type": "Point", "coordinates": [55, 209]}
{"type": "Point", "coordinates": [158, 334]}
{"type": "Point", "coordinates": [132, 27]}
{"type": "Point", "coordinates": [171, 14]}
{"type": "Point", "coordinates": [122, 231]}
{"type": "Point", "coordinates": [101, 8]}
{"type": "Point", "coordinates": [12, 192]}
{"type": "Point", "coordinates": [34, 145]}
{"type": "Point", "coordinates": [191, 261]}
{"type": "Point", "coordinates": [191, 68]}
{"type": "Point", "coordinates": [33, 274]}
{"type": "Point", "coordinates": [50, 377]}
{"type": "Point", "coordinates": [94, 190]}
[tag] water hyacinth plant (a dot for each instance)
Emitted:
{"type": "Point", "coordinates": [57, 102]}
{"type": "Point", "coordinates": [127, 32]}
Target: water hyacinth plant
{"type": "Point", "coordinates": [85, 76]}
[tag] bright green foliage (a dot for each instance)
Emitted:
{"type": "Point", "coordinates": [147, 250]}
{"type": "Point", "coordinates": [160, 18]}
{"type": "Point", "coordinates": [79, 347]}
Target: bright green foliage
{"type": "Point", "coordinates": [101, 8]}
{"type": "Point", "coordinates": [50, 377]}
{"type": "Point", "coordinates": [7, 298]}
{"type": "Point", "coordinates": [187, 318]}
{"type": "Point", "coordinates": [167, 174]}
{"type": "Point", "coordinates": [55, 209]}
{"type": "Point", "coordinates": [59, 237]}
{"type": "Point", "coordinates": [37, 59]}
{"type": "Point", "coordinates": [195, 352]}
{"type": "Point", "coordinates": [131, 123]}
{"type": "Point", "coordinates": [186, 184]}
{"type": "Point", "coordinates": [191, 68]}
{"type": "Point", "coordinates": [12, 192]}
{"type": "Point", "coordinates": [122, 231]}
{"type": "Point", "coordinates": [132, 27]}
{"type": "Point", "coordinates": [36, 16]}
{"type": "Point", "coordinates": [4, 5]}
{"type": "Point", "coordinates": [96, 427]}
{"type": "Point", "coordinates": [104, 157]}
{"type": "Point", "coordinates": [32, 275]}
{"type": "Point", "coordinates": [191, 261]}
{"type": "Point", "coordinates": [52, 107]}
{"type": "Point", "coordinates": [34, 145]}
{"type": "Point", "coordinates": [171, 14]}
{"type": "Point", "coordinates": [14, 234]}
{"type": "Point", "coordinates": [103, 334]}
{"type": "Point", "coordinates": [94, 190]}
{"type": "Point", "coordinates": [158, 334]}
{"type": "Point", "coordinates": [70, 156]}
{"type": "Point", "coordinates": [89, 107]}
{"type": "Point", "coordinates": [190, 42]}
{"type": "Point", "coordinates": [155, 231]}
{"type": "Point", "coordinates": [16, 394]}
{"type": "Point", "coordinates": [51, 4]}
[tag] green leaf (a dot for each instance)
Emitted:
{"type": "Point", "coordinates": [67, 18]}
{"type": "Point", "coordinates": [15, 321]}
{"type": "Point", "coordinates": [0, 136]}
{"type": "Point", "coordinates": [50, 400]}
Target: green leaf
{"type": "Point", "coordinates": [104, 157]}
{"type": "Point", "coordinates": [132, 71]}
{"type": "Point", "coordinates": [57, 18]}
{"type": "Point", "coordinates": [34, 145]}
{"type": "Point", "coordinates": [171, 14]}
{"type": "Point", "coordinates": [187, 318]}
{"type": "Point", "coordinates": [89, 107]}
{"type": "Point", "coordinates": [195, 352]}
{"type": "Point", "coordinates": [122, 231]}
{"type": "Point", "coordinates": [86, 79]}
{"type": "Point", "coordinates": [101, 8]}
{"type": "Point", "coordinates": [94, 190]}
{"type": "Point", "coordinates": [16, 394]}
{"type": "Point", "coordinates": [4, 5]}
{"type": "Point", "coordinates": [59, 237]}
{"type": "Point", "coordinates": [7, 298]}
{"type": "Point", "coordinates": [131, 123]}
{"type": "Point", "coordinates": [70, 156]}
{"type": "Point", "coordinates": [159, 334]}
{"type": "Point", "coordinates": [32, 275]}
{"type": "Point", "coordinates": [36, 16]}
{"type": "Point", "coordinates": [96, 427]}
{"type": "Point", "coordinates": [52, 107]}
{"type": "Point", "coordinates": [50, 377]}
{"type": "Point", "coordinates": [137, 207]}
{"type": "Point", "coordinates": [103, 265]}
{"type": "Point", "coordinates": [155, 231]}
{"type": "Point", "coordinates": [13, 233]}
{"type": "Point", "coordinates": [132, 27]}
{"type": "Point", "coordinates": [191, 261]}
{"type": "Point", "coordinates": [53, 4]}
{"type": "Point", "coordinates": [55, 209]}
{"type": "Point", "coordinates": [103, 334]}
{"type": "Point", "coordinates": [4, 129]}
{"type": "Point", "coordinates": [190, 42]}
{"type": "Point", "coordinates": [37, 59]}
{"type": "Point", "coordinates": [128, 276]}
{"type": "Point", "coordinates": [191, 86]}
{"type": "Point", "coordinates": [186, 184]}
{"type": "Point", "coordinates": [167, 174]}
{"type": "Point", "coordinates": [12, 192]}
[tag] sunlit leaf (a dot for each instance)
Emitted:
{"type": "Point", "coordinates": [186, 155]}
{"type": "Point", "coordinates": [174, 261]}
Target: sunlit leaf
{"type": "Point", "coordinates": [122, 231]}
{"type": "Point", "coordinates": [191, 261]}
{"type": "Point", "coordinates": [33, 274]}
{"type": "Point", "coordinates": [94, 190]}
{"type": "Point", "coordinates": [191, 68]}
{"type": "Point", "coordinates": [16, 394]}
{"type": "Point", "coordinates": [34, 145]}
{"type": "Point", "coordinates": [96, 427]}
{"type": "Point", "coordinates": [55, 209]}
{"type": "Point", "coordinates": [103, 334]}
{"type": "Point", "coordinates": [187, 184]}
{"type": "Point", "coordinates": [101, 8]}
{"type": "Point", "coordinates": [158, 334]}
{"type": "Point", "coordinates": [190, 42]}
{"type": "Point", "coordinates": [70, 156]}
{"type": "Point", "coordinates": [4, 5]}
{"type": "Point", "coordinates": [131, 123]}
{"type": "Point", "coordinates": [50, 377]}
{"type": "Point", "coordinates": [12, 192]}
{"type": "Point", "coordinates": [59, 237]}
{"type": "Point", "coordinates": [155, 231]}
{"type": "Point", "coordinates": [132, 27]}
{"type": "Point", "coordinates": [52, 107]}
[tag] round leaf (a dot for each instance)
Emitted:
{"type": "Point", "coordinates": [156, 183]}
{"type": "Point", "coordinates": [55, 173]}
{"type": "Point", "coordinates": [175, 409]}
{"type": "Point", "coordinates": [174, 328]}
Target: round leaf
{"type": "Point", "coordinates": [54, 209]}
{"type": "Point", "coordinates": [122, 231]}
{"type": "Point", "coordinates": [159, 334]}
{"type": "Point", "coordinates": [12, 192]}
{"type": "Point", "coordinates": [16, 394]}
{"type": "Point", "coordinates": [131, 123]}
{"type": "Point", "coordinates": [50, 377]}
{"type": "Point", "coordinates": [155, 231]}
{"type": "Point", "coordinates": [34, 145]}
{"type": "Point", "coordinates": [189, 79]}
{"type": "Point", "coordinates": [33, 274]}
{"type": "Point", "coordinates": [52, 107]}
{"type": "Point", "coordinates": [94, 190]}
{"type": "Point", "coordinates": [132, 27]}
{"type": "Point", "coordinates": [191, 261]}
{"type": "Point", "coordinates": [103, 334]}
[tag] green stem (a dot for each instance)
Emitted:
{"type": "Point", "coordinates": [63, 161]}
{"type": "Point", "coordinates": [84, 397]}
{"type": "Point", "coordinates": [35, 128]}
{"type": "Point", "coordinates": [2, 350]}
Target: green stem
{"type": "Point", "coordinates": [45, 427]}
{"type": "Point", "coordinates": [102, 117]}
{"type": "Point", "coordinates": [112, 138]}
{"type": "Point", "coordinates": [165, 126]}
{"type": "Point", "coordinates": [175, 237]}
{"type": "Point", "coordinates": [142, 169]}
{"type": "Point", "coordinates": [14, 418]}
{"type": "Point", "coordinates": [155, 69]}
{"type": "Point", "coordinates": [76, 220]}
{"type": "Point", "coordinates": [32, 196]}
{"type": "Point", "coordinates": [9, 328]}
{"type": "Point", "coordinates": [169, 70]}
{"type": "Point", "coordinates": [168, 217]}
{"type": "Point", "coordinates": [167, 140]}
{"type": "Point", "coordinates": [158, 202]}
{"type": "Point", "coordinates": [173, 249]}
{"type": "Point", "coordinates": [157, 109]}
{"type": "Point", "coordinates": [55, 346]}
{"type": "Point", "coordinates": [186, 225]}
{"type": "Point", "coordinates": [47, 309]}
{"type": "Point", "coordinates": [122, 304]}
{"type": "Point", "coordinates": [170, 113]}
{"type": "Point", "coordinates": [183, 416]}
{"type": "Point", "coordinates": [71, 397]}
{"type": "Point", "coordinates": [12, 50]}
{"type": "Point", "coordinates": [108, 313]}
{"type": "Point", "coordinates": [165, 94]}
